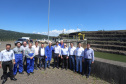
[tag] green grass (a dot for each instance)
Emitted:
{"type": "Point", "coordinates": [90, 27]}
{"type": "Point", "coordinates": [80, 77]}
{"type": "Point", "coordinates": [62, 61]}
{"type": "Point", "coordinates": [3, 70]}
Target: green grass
{"type": "Point", "coordinates": [115, 57]}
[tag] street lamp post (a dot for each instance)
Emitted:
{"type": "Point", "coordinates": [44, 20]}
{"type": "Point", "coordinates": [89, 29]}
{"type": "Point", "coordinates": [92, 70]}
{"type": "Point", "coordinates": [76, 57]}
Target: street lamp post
{"type": "Point", "coordinates": [48, 19]}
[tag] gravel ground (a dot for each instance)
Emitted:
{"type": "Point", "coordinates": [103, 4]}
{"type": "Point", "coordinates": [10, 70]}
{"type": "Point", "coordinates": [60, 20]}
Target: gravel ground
{"type": "Point", "coordinates": [51, 76]}
{"type": "Point", "coordinates": [54, 76]}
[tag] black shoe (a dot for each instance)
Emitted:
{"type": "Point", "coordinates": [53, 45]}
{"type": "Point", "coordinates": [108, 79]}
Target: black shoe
{"type": "Point", "coordinates": [73, 70]}
{"type": "Point", "coordinates": [32, 72]}
{"type": "Point", "coordinates": [28, 74]}
{"type": "Point", "coordinates": [4, 80]}
{"type": "Point", "coordinates": [79, 72]}
{"type": "Point", "coordinates": [66, 68]}
{"type": "Point", "coordinates": [48, 67]}
{"type": "Point", "coordinates": [2, 77]}
{"type": "Point", "coordinates": [87, 76]}
{"type": "Point", "coordinates": [40, 68]}
{"type": "Point", "coordinates": [21, 73]}
{"type": "Point", "coordinates": [14, 79]}
{"type": "Point", "coordinates": [76, 72]}
{"type": "Point", "coordinates": [83, 75]}
{"type": "Point", "coordinates": [36, 68]}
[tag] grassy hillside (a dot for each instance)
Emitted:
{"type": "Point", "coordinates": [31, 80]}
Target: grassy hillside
{"type": "Point", "coordinates": [6, 35]}
{"type": "Point", "coordinates": [110, 56]}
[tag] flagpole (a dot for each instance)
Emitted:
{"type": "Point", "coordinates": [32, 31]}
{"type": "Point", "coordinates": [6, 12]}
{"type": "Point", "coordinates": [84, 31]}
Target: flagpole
{"type": "Point", "coordinates": [48, 19]}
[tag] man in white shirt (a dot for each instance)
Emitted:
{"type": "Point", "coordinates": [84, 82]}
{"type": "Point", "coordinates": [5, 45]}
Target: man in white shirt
{"type": "Point", "coordinates": [64, 56]}
{"type": "Point", "coordinates": [57, 52]}
{"type": "Point", "coordinates": [36, 47]}
{"type": "Point", "coordinates": [72, 56]}
{"type": "Point", "coordinates": [6, 57]}
{"type": "Point", "coordinates": [61, 44]}
{"type": "Point", "coordinates": [88, 60]}
{"type": "Point", "coordinates": [79, 55]}
{"type": "Point", "coordinates": [42, 57]}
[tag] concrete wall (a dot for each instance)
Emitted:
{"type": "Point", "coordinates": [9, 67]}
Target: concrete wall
{"type": "Point", "coordinates": [113, 73]}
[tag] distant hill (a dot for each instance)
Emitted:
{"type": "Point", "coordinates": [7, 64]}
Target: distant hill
{"type": "Point", "coordinates": [6, 35]}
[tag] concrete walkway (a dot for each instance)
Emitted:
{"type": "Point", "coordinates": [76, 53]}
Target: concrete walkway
{"type": "Point", "coordinates": [117, 63]}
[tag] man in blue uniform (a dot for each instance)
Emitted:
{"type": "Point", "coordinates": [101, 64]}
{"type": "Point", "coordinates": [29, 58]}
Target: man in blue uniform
{"type": "Point", "coordinates": [18, 51]}
{"type": "Point", "coordinates": [30, 53]}
{"type": "Point", "coordinates": [48, 51]}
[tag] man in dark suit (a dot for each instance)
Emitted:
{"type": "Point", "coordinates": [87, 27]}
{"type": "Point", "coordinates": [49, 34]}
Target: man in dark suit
{"type": "Point", "coordinates": [42, 57]}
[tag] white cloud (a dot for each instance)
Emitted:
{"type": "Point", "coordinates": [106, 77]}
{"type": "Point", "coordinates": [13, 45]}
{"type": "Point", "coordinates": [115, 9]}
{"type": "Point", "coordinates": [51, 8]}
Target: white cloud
{"type": "Point", "coordinates": [57, 32]}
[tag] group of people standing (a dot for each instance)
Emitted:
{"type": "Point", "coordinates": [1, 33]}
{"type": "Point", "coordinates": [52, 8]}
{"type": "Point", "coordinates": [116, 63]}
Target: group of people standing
{"type": "Point", "coordinates": [74, 57]}
{"type": "Point", "coordinates": [28, 55]}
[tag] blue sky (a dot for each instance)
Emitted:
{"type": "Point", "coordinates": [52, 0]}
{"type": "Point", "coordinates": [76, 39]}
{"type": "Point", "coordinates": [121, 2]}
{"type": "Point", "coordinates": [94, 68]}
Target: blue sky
{"type": "Point", "coordinates": [31, 16]}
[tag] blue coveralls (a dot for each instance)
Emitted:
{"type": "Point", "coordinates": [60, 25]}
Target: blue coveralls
{"type": "Point", "coordinates": [62, 46]}
{"type": "Point", "coordinates": [18, 60]}
{"type": "Point", "coordinates": [48, 54]}
{"type": "Point", "coordinates": [30, 63]}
